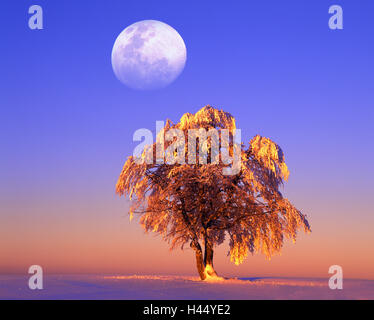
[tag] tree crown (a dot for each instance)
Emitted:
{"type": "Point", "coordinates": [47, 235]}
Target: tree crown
{"type": "Point", "coordinates": [188, 203]}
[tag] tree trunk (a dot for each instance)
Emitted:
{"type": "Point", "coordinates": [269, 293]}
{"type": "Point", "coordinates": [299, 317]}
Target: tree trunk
{"type": "Point", "coordinates": [204, 263]}
{"type": "Point", "coordinates": [208, 259]}
{"type": "Point", "coordinates": [199, 259]}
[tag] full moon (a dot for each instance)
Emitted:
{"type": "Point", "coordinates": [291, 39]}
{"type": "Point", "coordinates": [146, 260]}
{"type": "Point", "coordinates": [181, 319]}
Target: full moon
{"type": "Point", "coordinates": [148, 54]}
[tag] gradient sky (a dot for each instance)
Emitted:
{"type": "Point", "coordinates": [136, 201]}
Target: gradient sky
{"type": "Point", "coordinates": [66, 126]}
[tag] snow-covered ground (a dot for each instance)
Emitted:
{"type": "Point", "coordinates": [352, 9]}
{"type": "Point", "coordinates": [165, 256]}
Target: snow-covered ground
{"type": "Point", "coordinates": [179, 287]}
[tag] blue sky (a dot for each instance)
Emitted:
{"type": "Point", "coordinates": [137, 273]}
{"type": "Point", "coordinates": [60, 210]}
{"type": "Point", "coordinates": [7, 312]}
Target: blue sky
{"type": "Point", "coordinates": [66, 122]}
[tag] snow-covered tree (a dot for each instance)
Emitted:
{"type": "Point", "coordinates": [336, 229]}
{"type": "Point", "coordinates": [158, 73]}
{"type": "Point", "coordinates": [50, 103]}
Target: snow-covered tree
{"type": "Point", "coordinates": [198, 205]}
